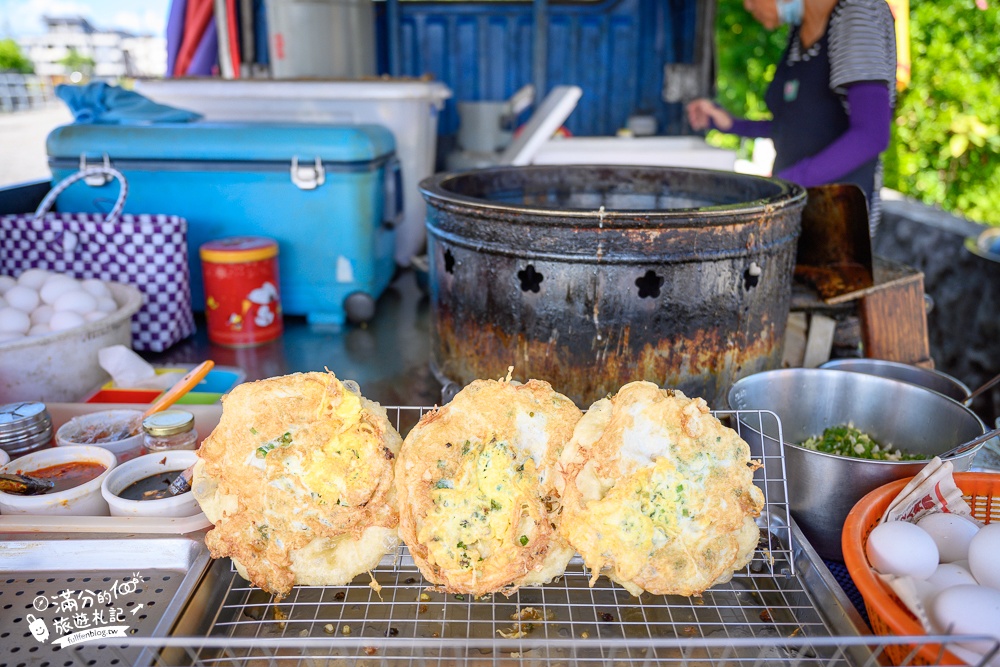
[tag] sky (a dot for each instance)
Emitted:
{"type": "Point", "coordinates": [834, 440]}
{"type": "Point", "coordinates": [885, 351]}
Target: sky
{"type": "Point", "coordinates": [19, 18]}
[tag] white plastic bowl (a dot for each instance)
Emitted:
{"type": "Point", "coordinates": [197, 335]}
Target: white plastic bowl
{"type": "Point", "coordinates": [69, 434]}
{"type": "Point", "coordinates": [62, 366]}
{"type": "Point", "coordinates": [182, 505]}
{"type": "Point", "coordinates": [82, 500]}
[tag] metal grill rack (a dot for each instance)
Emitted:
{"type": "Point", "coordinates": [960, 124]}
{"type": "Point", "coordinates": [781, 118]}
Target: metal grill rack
{"type": "Point", "coordinates": [785, 608]}
{"type": "Point", "coordinates": [565, 620]}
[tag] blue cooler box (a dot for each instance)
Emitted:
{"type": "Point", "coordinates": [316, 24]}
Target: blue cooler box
{"type": "Point", "coordinates": [330, 195]}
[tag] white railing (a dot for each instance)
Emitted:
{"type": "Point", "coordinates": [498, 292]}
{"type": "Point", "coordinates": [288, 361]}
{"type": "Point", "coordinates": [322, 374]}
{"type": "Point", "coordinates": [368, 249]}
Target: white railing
{"type": "Point", "coordinates": [19, 92]}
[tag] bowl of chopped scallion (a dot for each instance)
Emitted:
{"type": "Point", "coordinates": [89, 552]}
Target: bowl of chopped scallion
{"type": "Point", "coordinates": [843, 434]}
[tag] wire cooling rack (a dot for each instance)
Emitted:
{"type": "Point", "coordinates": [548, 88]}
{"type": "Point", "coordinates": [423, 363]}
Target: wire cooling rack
{"type": "Point", "coordinates": [784, 608]}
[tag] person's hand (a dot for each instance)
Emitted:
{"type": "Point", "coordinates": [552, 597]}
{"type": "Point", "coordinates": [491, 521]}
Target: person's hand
{"type": "Point", "coordinates": [703, 113]}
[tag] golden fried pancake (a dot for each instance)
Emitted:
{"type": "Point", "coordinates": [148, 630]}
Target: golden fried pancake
{"type": "Point", "coordinates": [297, 478]}
{"type": "Point", "coordinates": [476, 486]}
{"type": "Point", "coordinates": [659, 495]}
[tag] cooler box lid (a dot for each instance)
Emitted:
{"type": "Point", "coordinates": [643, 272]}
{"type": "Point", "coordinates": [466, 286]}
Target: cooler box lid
{"type": "Point", "coordinates": [222, 142]}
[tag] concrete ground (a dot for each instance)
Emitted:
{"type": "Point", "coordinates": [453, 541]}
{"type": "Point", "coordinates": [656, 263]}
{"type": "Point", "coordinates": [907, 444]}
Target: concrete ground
{"type": "Point", "coordinates": [22, 142]}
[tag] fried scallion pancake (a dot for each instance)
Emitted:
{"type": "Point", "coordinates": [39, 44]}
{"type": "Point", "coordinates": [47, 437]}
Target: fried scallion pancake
{"type": "Point", "coordinates": [659, 494]}
{"type": "Point", "coordinates": [476, 481]}
{"type": "Point", "coordinates": [298, 480]}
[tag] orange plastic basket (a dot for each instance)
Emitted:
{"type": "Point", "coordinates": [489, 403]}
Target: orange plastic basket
{"type": "Point", "coordinates": [888, 616]}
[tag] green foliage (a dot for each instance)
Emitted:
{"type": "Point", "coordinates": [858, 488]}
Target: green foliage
{"type": "Point", "coordinates": [945, 148]}
{"type": "Point", "coordinates": [746, 55]}
{"type": "Point", "coordinates": [11, 58]}
{"type": "Point", "coordinates": [75, 61]}
{"type": "Point", "coordinates": [946, 140]}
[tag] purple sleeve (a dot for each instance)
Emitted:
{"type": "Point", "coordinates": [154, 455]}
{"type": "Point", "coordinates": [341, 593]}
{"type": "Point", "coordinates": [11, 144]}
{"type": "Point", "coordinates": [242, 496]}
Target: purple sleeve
{"type": "Point", "coordinates": [751, 128]}
{"type": "Point", "coordinates": [866, 136]}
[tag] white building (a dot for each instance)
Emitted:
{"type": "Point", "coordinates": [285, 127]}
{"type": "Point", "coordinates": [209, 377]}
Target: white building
{"type": "Point", "coordinates": [115, 53]}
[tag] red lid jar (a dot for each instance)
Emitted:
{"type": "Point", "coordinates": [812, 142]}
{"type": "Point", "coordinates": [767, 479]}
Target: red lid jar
{"type": "Point", "coordinates": [242, 302]}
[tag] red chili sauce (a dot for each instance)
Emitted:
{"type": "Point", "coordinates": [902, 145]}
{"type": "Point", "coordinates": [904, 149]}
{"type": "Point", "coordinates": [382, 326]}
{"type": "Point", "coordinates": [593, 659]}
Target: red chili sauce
{"type": "Point", "coordinates": [68, 475]}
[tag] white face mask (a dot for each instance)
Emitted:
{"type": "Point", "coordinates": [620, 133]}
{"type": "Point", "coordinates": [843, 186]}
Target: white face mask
{"type": "Point", "coordinates": [790, 11]}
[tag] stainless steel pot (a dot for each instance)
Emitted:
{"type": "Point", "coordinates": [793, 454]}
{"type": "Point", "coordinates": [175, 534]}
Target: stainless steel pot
{"type": "Point", "coordinates": [894, 370]}
{"type": "Point", "coordinates": [823, 488]}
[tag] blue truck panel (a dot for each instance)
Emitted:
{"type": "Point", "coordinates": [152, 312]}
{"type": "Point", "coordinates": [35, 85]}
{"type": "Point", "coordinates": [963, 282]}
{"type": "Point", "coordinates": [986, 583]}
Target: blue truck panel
{"type": "Point", "coordinates": [615, 50]}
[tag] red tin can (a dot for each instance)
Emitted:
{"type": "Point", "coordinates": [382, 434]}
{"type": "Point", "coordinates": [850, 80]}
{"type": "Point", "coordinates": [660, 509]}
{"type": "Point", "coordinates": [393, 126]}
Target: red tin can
{"type": "Point", "coordinates": [242, 302]}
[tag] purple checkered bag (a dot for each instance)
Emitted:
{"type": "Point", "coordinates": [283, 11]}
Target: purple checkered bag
{"type": "Point", "coordinates": [148, 252]}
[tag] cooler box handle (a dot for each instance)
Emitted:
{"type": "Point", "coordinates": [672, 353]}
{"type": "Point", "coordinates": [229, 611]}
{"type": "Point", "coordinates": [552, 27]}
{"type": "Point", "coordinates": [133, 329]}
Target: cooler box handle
{"type": "Point", "coordinates": [392, 207]}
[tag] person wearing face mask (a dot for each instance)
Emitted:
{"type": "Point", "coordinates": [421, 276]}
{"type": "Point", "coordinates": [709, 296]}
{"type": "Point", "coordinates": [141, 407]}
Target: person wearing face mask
{"type": "Point", "coordinates": [832, 97]}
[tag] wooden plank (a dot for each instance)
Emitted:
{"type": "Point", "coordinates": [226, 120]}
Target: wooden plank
{"type": "Point", "coordinates": [820, 340]}
{"type": "Point", "coordinates": [894, 321]}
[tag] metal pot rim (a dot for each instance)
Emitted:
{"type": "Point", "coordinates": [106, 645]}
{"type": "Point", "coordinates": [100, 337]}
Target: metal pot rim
{"type": "Point", "coordinates": [837, 364]}
{"type": "Point", "coordinates": [787, 194]}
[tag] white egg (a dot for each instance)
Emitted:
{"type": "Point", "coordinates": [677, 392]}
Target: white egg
{"type": "Point", "coordinates": [984, 556]}
{"type": "Point", "coordinates": [33, 278]}
{"type": "Point", "coordinates": [56, 286]}
{"type": "Point", "coordinates": [39, 330]}
{"type": "Point", "coordinates": [65, 319]}
{"type": "Point", "coordinates": [903, 549]}
{"type": "Point", "coordinates": [925, 591]}
{"type": "Point", "coordinates": [23, 298]}
{"type": "Point", "coordinates": [6, 282]}
{"type": "Point", "coordinates": [96, 287]}
{"type": "Point", "coordinates": [971, 657]}
{"type": "Point", "coordinates": [948, 574]}
{"type": "Point", "coordinates": [13, 320]}
{"type": "Point", "coordinates": [76, 301]}
{"type": "Point", "coordinates": [106, 304]}
{"type": "Point", "coordinates": [968, 610]}
{"type": "Point", "coordinates": [951, 533]}
{"type": "Point", "coordinates": [94, 315]}
{"type": "Point", "coordinates": [42, 314]}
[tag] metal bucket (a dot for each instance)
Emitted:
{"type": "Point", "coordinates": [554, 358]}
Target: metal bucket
{"type": "Point", "coordinates": [822, 488]}
{"type": "Point", "coordinates": [590, 277]}
{"type": "Point", "coordinates": [930, 378]}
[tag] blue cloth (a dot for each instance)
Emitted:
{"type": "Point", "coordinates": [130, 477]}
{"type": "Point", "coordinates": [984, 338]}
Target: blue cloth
{"type": "Point", "coordinates": [100, 103]}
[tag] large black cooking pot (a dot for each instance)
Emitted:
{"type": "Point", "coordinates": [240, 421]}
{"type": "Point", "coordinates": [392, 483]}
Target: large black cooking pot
{"type": "Point", "coordinates": [593, 276]}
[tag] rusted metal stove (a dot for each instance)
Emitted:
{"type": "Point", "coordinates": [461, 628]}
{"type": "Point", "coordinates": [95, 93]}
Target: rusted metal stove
{"type": "Point", "coordinates": [590, 277]}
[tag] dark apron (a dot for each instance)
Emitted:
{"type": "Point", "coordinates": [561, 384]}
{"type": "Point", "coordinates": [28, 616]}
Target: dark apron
{"type": "Point", "coordinates": [808, 116]}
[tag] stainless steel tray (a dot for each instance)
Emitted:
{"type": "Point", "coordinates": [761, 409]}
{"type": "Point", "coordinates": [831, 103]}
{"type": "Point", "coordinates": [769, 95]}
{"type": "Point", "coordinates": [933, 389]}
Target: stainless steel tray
{"type": "Point", "coordinates": [143, 581]}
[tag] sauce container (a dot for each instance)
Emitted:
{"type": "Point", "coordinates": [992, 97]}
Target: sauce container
{"type": "Point", "coordinates": [173, 463]}
{"type": "Point", "coordinates": [82, 500]}
{"type": "Point", "coordinates": [118, 431]}
{"type": "Point", "coordinates": [242, 303]}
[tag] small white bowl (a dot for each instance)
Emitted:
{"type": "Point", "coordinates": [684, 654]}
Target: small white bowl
{"type": "Point", "coordinates": [126, 474]}
{"type": "Point", "coordinates": [72, 432]}
{"type": "Point", "coordinates": [82, 500]}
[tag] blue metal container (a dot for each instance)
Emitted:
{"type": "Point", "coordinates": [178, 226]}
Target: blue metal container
{"type": "Point", "coordinates": [329, 194]}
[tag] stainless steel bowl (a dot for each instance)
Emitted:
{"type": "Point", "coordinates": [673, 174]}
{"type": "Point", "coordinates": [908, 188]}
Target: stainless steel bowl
{"type": "Point", "coordinates": [823, 488]}
{"type": "Point", "coordinates": [894, 370]}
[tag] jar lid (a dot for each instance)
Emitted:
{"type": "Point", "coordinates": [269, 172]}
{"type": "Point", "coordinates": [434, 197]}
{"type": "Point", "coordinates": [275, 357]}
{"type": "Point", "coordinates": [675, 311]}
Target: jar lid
{"type": "Point", "coordinates": [168, 422]}
{"type": "Point", "coordinates": [236, 249]}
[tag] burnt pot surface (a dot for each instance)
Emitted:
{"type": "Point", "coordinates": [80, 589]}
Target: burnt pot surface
{"type": "Point", "coordinates": [592, 277]}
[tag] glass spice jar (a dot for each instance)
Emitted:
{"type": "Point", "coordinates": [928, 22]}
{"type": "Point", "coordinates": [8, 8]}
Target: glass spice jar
{"type": "Point", "coordinates": [168, 430]}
